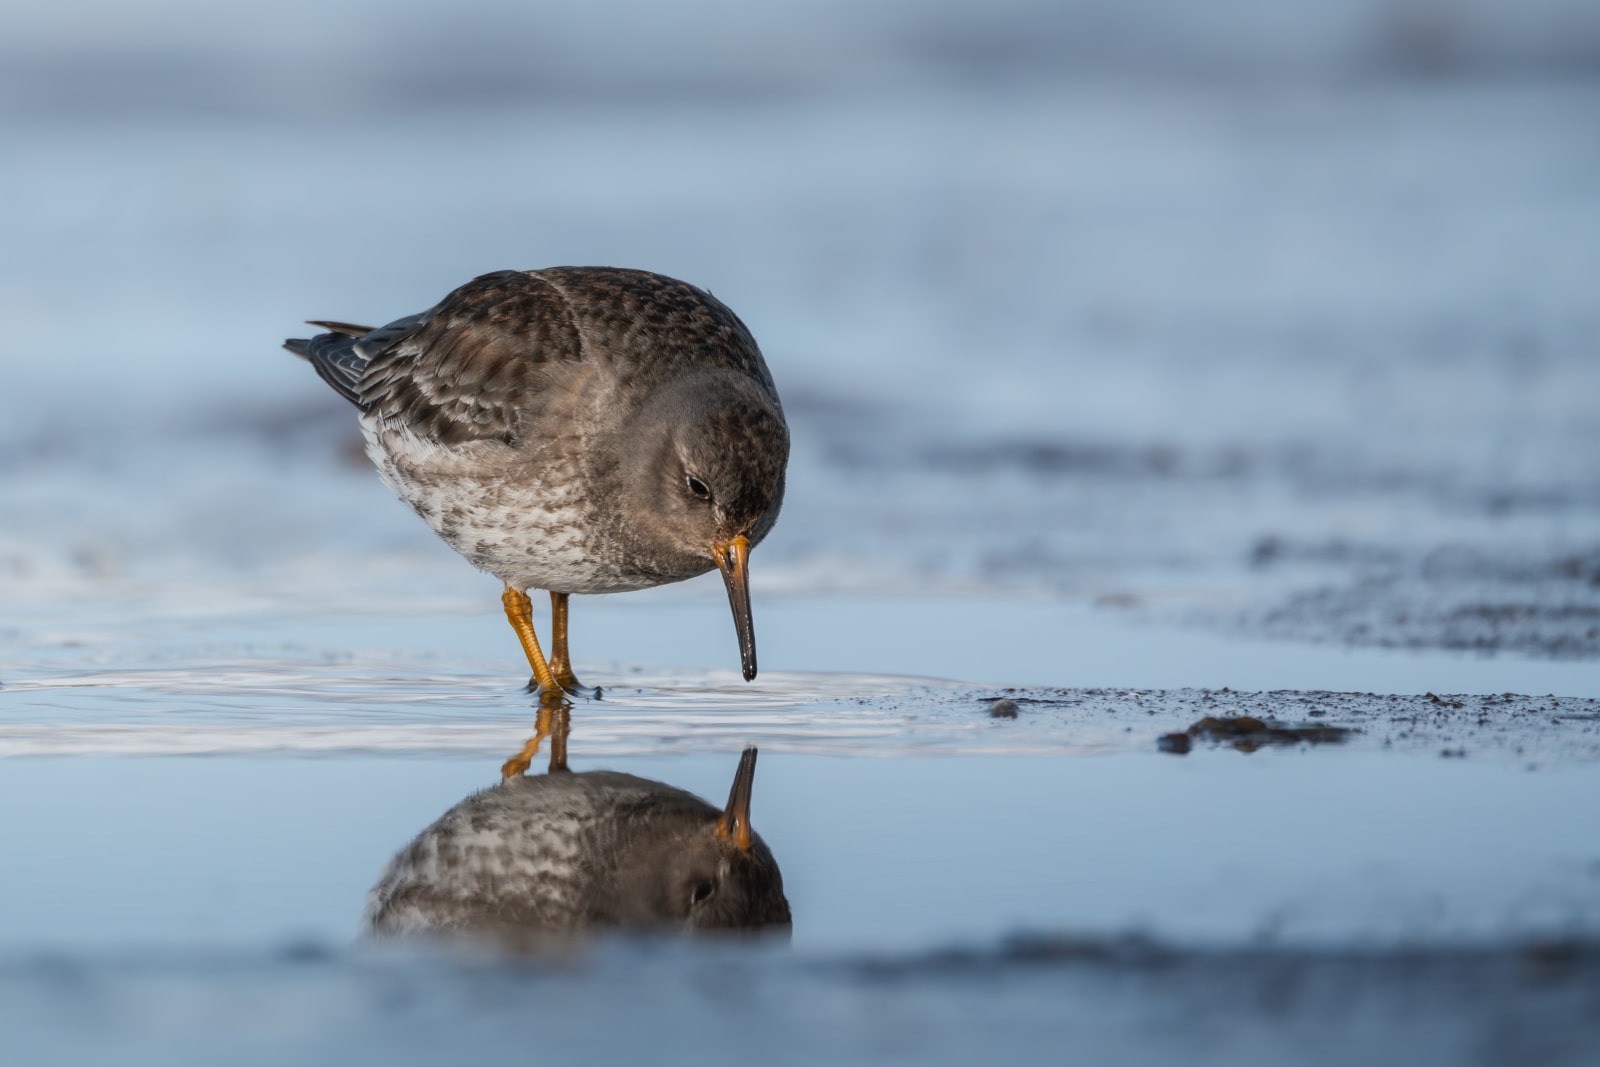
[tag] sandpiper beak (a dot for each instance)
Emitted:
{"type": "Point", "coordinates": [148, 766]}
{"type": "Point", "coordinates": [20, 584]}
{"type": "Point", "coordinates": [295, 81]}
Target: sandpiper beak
{"type": "Point", "coordinates": [734, 826]}
{"type": "Point", "coordinates": [733, 559]}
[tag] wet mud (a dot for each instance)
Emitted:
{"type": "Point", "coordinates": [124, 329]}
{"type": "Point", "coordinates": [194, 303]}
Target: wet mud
{"type": "Point", "coordinates": [1535, 730]}
{"type": "Point", "coordinates": [1246, 733]}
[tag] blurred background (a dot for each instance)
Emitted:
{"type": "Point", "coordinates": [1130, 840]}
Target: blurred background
{"type": "Point", "coordinates": [1272, 318]}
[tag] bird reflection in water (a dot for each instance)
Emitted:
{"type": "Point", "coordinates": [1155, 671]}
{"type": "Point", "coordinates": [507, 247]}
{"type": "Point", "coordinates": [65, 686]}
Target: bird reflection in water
{"type": "Point", "coordinates": [539, 858]}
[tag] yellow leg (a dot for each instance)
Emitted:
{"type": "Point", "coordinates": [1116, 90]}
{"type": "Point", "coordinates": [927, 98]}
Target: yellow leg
{"type": "Point", "coordinates": [519, 612]}
{"type": "Point", "coordinates": [560, 663]}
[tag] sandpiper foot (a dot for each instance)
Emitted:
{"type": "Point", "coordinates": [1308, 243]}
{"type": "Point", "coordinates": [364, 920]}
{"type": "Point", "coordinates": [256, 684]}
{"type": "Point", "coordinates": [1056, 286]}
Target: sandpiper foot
{"type": "Point", "coordinates": [557, 693]}
{"type": "Point", "coordinates": [566, 687]}
{"type": "Point", "coordinates": [573, 688]}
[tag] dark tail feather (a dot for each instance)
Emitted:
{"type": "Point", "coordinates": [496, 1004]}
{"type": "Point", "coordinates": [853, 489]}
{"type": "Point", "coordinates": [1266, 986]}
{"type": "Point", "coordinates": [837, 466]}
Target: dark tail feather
{"type": "Point", "coordinates": [341, 357]}
{"type": "Point", "coordinates": [334, 358]}
{"type": "Point", "coordinates": [342, 327]}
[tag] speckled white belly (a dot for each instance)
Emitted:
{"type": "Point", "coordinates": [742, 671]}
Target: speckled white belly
{"type": "Point", "coordinates": [526, 526]}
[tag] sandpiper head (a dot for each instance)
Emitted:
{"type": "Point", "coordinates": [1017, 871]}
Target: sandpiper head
{"type": "Point", "coordinates": [707, 480]}
{"type": "Point", "coordinates": [717, 875]}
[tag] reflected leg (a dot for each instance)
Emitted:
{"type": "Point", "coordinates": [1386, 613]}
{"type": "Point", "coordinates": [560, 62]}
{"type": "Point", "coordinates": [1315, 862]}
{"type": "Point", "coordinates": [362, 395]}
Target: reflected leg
{"type": "Point", "coordinates": [560, 730]}
{"type": "Point", "coordinates": [554, 722]}
{"type": "Point", "coordinates": [518, 765]}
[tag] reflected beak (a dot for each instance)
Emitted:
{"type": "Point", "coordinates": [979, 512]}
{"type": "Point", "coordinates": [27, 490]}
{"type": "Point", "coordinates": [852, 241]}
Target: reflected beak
{"type": "Point", "coordinates": [734, 825]}
{"type": "Point", "coordinates": [733, 559]}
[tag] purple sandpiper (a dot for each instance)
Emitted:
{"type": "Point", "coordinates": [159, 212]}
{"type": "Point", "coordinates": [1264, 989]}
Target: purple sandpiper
{"type": "Point", "coordinates": [576, 430]}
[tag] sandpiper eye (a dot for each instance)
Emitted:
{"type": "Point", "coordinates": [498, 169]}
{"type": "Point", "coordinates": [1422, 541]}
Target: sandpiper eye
{"type": "Point", "coordinates": [699, 488]}
{"type": "Point", "coordinates": [701, 892]}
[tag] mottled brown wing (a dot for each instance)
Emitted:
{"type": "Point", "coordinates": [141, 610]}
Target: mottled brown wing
{"type": "Point", "coordinates": [494, 354]}
{"type": "Point", "coordinates": [474, 366]}
{"type": "Point", "coordinates": [646, 326]}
